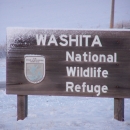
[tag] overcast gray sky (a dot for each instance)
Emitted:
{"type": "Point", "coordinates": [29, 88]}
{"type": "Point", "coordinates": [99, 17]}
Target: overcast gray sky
{"type": "Point", "coordinates": [60, 14]}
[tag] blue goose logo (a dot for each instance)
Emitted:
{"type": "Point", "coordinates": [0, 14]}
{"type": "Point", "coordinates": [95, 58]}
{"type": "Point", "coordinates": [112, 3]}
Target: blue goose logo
{"type": "Point", "coordinates": [34, 68]}
{"type": "Point", "coordinates": [35, 72]}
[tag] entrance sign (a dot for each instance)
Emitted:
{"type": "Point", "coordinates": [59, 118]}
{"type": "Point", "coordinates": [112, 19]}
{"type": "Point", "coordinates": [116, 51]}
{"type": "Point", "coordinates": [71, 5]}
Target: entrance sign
{"type": "Point", "coordinates": [68, 62]}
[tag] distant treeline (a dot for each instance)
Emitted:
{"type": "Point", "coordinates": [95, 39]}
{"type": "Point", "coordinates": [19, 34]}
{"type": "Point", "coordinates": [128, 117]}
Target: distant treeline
{"type": "Point", "coordinates": [123, 24]}
{"type": "Point", "coordinates": [2, 50]}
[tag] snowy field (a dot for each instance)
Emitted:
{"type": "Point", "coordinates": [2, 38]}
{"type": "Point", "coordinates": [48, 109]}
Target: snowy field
{"type": "Point", "coordinates": [60, 113]}
{"type": "Point", "coordinates": [2, 69]}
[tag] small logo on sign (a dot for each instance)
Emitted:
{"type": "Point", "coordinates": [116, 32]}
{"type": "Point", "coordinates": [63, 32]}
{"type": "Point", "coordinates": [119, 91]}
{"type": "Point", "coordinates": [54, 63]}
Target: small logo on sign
{"type": "Point", "coordinates": [34, 68]}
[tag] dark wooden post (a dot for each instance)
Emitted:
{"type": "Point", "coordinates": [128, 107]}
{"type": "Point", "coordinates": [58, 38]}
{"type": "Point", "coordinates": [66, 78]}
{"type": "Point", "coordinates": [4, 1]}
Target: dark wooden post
{"type": "Point", "coordinates": [118, 102]}
{"type": "Point", "coordinates": [119, 109]}
{"type": "Point", "coordinates": [22, 106]}
{"type": "Point", "coordinates": [112, 14]}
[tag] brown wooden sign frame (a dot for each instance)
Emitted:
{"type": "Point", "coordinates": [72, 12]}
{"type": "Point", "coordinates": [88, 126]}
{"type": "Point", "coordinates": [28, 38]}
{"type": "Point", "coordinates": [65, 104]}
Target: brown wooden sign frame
{"type": "Point", "coordinates": [77, 62]}
{"type": "Point", "coordinates": [107, 49]}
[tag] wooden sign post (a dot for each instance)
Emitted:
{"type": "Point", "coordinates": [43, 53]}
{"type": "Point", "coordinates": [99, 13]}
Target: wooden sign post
{"type": "Point", "coordinates": [90, 63]}
{"type": "Point", "coordinates": [22, 107]}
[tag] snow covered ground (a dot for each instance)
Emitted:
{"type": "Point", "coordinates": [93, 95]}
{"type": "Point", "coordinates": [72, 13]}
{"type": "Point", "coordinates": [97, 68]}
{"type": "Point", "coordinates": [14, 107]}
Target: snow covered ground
{"type": "Point", "coordinates": [2, 69]}
{"type": "Point", "coordinates": [60, 113]}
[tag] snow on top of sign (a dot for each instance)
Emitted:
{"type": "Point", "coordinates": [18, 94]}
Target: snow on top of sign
{"type": "Point", "coordinates": [16, 35]}
{"type": "Point", "coordinates": [20, 29]}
